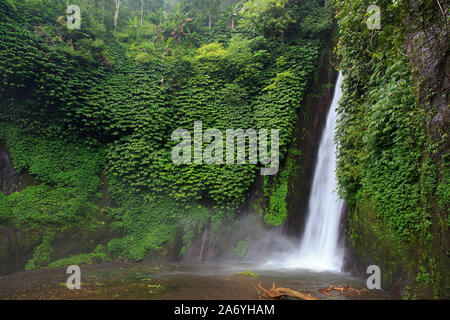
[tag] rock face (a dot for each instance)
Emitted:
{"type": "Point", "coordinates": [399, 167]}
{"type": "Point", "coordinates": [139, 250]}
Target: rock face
{"type": "Point", "coordinates": [203, 248]}
{"type": "Point", "coordinates": [13, 255]}
{"type": "Point", "coordinates": [429, 55]}
{"type": "Point", "coordinates": [428, 50]}
{"type": "Point", "coordinates": [419, 268]}
{"type": "Point", "coordinates": [312, 116]}
{"type": "Point", "coordinates": [10, 180]}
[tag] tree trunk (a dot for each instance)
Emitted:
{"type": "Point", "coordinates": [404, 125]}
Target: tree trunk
{"type": "Point", "coordinates": [103, 12]}
{"type": "Point", "coordinates": [277, 293]}
{"type": "Point", "coordinates": [209, 21]}
{"type": "Point", "coordinates": [232, 23]}
{"type": "Point", "coordinates": [116, 14]}
{"type": "Point", "coordinates": [70, 41]}
{"type": "Point", "coordinates": [142, 10]}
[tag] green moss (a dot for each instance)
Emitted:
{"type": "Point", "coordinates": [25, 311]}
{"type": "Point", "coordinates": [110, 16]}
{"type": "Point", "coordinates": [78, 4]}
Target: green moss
{"type": "Point", "coordinates": [69, 175]}
{"type": "Point", "coordinates": [149, 226]}
{"type": "Point", "coordinates": [99, 254]}
{"type": "Point", "coordinates": [248, 273]}
{"type": "Point", "coordinates": [375, 242]}
{"type": "Point", "coordinates": [277, 191]}
{"type": "Point", "coordinates": [240, 250]}
{"type": "Point", "coordinates": [277, 211]}
{"type": "Point", "coordinates": [390, 169]}
{"type": "Point", "coordinates": [41, 254]}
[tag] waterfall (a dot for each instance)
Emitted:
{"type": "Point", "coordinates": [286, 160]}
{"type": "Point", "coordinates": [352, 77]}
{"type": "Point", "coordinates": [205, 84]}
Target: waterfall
{"type": "Point", "coordinates": [319, 249]}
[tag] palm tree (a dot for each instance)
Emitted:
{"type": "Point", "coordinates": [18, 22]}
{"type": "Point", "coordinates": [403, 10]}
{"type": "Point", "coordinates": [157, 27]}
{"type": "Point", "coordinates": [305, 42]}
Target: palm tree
{"type": "Point", "coordinates": [167, 47]}
{"type": "Point", "coordinates": [158, 18]}
{"type": "Point", "coordinates": [177, 22]}
{"type": "Point", "coordinates": [211, 7]}
{"type": "Point", "coordinates": [231, 13]}
{"type": "Point", "coordinates": [66, 31]}
{"type": "Point", "coordinates": [134, 24]}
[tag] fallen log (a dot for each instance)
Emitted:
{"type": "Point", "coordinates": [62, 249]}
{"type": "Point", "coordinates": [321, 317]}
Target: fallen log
{"type": "Point", "coordinates": [342, 289]}
{"type": "Point", "coordinates": [278, 293]}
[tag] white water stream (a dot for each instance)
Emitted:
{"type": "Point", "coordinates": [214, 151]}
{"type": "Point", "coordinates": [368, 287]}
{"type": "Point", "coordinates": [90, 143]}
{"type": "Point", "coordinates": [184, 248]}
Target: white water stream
{"type": "Point", "coordinates": [318, 249]}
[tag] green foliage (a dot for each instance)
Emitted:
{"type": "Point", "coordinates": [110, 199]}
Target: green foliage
{"type": "Point", "coordinates": [443, 189]}
{"type": "Point", "coordinates": [42, 84]}
{"type": "Point", "coordinates": [218, 91]}
{"type": "Point", "coordinates": [365, 229]}
{"type": "Point", "coordinates": [288, 18]}
{"type": "Point", "coordinates": [192, 221]}
{"type": "Point", "coordinates": [37, 206]}
{"type": "Point", "coordinates": [240, 250]}
{"type": "Point", "coordinates": [210, 52]}
{"type": "Point", "coordinates": [249, 274]}
{"type": "Point", "coordinates": [69, 172]}
{"type": "Point", "coordinates": [148, 226]}
{"type": "Point", "coordinates": [277, 209]}
{"type": "Point", "coordinates": [276, 193]}
{"type": "Point", "coordinates": [99, 254]}
{"type": "Point", "coordinates": [382, 160]}
{"type": "Point", "coordinates": [85, 101]}
{"type": "Point", "coordinates": [270, 17]}
{"type": "Point", "coordinates": [41, 254]}
{"type": "Point", "coordinates": [389, 168]}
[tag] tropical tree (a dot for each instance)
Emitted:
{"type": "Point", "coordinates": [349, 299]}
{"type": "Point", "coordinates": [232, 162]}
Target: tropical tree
{"type": "Point", "coordinates": [158, 18]}
{"type": "Point", "coordinates": [116, 13]}
{"type": "Point", "coordinates": [204, 8]}
{"type": "Point", "coordinates": [212, 7]}
{"type": "Point", "coordinates": [167, 47]}
{"type": "Point", "coordinates": [269, 17]}
{"type": "Point", "coordinates": [177, 22]}
{"type": "Point", "coordinates": [231, 13]}
{"type": "Point", "coordinates": [134, 25]}
{"type": "Point", "coordinates": [142, 12]}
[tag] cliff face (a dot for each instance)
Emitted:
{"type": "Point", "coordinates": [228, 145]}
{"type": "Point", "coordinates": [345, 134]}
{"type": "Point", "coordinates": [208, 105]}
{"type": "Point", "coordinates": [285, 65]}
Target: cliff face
{"type": "Point", "coordinates": [428, 51]}
{"type": "Point", "coordinates": [393, 156]}
{"type": "Point", "coordinates": [12, 256]}
{"type": "Point", "coordinates": [304, 148]}
{"type": "Point", "coordinates": [17, 244]}
{"type": "Point", "coordinates": [10, 180]}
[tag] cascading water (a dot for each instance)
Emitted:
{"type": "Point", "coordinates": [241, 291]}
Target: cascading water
{"type": "Point", "coordinates": [319, 249]}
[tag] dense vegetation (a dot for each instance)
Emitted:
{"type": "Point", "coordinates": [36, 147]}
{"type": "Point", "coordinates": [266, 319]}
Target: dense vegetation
{"type": "Point", "coordinates": [393, 156]}
{"type": "Point", "coordinates": [89, 113]}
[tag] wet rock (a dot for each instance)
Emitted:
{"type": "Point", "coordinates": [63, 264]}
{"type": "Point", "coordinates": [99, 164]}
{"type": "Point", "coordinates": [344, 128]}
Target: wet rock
{"type": "Point", "coordinates": [10, 180]}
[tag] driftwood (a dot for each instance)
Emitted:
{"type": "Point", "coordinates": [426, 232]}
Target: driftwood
{"type": "Point", "coordinates": [277, 293]}
{"type": "Point", "coordinates": [342, 289]}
